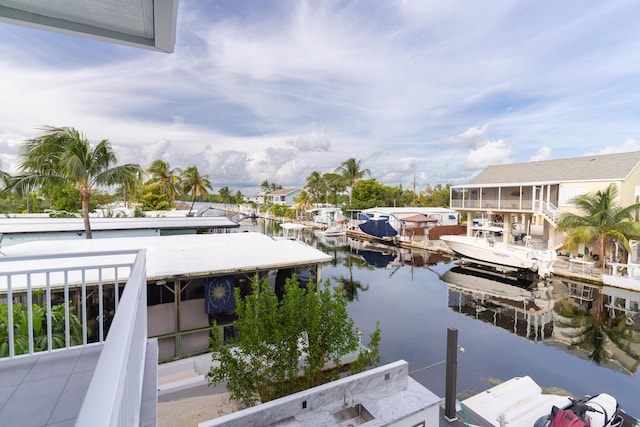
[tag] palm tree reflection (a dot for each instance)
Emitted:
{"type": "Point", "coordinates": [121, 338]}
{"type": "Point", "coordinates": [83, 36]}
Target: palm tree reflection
{"type": "Point", "coordinates": [606, 335]}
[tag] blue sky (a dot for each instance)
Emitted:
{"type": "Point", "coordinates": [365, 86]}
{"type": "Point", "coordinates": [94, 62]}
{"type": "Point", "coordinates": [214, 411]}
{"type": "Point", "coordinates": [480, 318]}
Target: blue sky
{"type": "Point", "coordinates": [255, 90]}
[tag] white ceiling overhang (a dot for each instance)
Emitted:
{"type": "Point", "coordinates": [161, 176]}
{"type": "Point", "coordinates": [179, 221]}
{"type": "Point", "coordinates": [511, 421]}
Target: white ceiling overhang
{"type": "Point", "coordinates": [149, 24]}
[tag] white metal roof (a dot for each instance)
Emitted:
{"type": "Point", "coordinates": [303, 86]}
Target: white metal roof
{"type": "Point", "coordinates": [181, 255]}
{"type": "Point", "coordinates": [150, 24]}
{"type": "Point", "coordinates": [50, 225]}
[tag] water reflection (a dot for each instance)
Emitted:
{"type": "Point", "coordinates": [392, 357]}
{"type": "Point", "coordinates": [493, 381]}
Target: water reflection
{"type": "Point", "coordinates": [517, 305]}
{"type": "Point", "coordinates": [600, 324]}
{"type": "Point", "coordinates": [416, 295]}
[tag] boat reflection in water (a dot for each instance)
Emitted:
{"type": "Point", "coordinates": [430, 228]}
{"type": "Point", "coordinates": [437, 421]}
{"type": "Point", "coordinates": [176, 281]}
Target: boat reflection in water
{"type": "Point", "coordinates": [521, 306]}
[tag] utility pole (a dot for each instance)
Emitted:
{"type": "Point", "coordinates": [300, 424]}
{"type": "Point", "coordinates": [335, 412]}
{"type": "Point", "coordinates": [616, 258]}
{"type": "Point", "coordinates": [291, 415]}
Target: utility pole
{"type": "Point", "coordinates": [414, 191]}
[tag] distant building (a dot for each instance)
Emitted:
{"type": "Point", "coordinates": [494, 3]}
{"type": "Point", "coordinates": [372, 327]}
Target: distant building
{"type": "Point", "coordinates": [283, 196]}
{"type": "Point", "coordinates": [539, 192]}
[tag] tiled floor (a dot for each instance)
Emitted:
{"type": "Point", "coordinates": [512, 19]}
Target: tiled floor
{"type": "Point", "coordinates": [48, 390]}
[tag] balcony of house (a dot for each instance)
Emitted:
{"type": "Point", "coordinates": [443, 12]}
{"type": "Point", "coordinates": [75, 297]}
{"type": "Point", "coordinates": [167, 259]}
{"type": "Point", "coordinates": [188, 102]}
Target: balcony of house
{"type": "Point", "coordinates": [513, 199]}
{"type": "Point", "coordinates": [60, 363]}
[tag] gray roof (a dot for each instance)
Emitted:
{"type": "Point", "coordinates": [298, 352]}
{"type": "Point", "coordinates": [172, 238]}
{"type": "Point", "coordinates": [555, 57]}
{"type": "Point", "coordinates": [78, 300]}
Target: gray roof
{"type": "Point", "coordinates": [283, 191]}
{"type": "Point", "coordinates": [607, 167]}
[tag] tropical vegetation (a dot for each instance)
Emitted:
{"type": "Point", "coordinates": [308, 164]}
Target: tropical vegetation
{"type": "Point", "coordinates": [603, 221]}
{"type": "Point", "coordinates": [75, 179]}
{"type": "Point", "coordinates": [351, 171]}
{"type": "Point", "coordinates": [64, 156]}
{"type": "Point", "coordinates": [38, 329]}
{"type": "Point", "coordinates": [195, 184]}
{"type": "Point", "coordinates": [284, 346]}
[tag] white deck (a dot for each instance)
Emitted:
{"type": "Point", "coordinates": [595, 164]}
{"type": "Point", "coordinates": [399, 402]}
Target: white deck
{"type": "Point", "coordinates": [58, 382]}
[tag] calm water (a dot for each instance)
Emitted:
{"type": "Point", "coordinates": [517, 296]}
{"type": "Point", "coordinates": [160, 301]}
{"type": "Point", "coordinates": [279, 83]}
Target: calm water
{"type": "Point", "coordinates": [415, 308]}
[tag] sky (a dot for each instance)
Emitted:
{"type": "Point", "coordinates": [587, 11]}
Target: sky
{"type": "Point", "coordinates": [417, 90]}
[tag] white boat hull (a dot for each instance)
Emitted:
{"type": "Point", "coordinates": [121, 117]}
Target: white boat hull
{"type": "Point", "coordinates": [499, 253]}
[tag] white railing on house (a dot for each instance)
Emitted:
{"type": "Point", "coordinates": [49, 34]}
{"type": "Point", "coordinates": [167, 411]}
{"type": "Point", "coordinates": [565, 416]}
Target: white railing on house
{"type": "Point", "coordinates": [549, 209]}
{"type": "Point", "coordinates": [60, 292]}
{"type": "Point", "coordinates": [63, 294]}
{"type": "Point", "coordinates": [115, 392]}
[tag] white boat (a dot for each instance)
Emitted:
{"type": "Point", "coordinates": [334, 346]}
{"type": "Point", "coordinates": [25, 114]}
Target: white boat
{"type": "Point", "coordinates": [487, 246]}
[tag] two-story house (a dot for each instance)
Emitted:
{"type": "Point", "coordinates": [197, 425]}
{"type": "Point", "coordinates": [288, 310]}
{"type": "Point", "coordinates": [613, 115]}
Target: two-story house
{"type": "Point", "coordinates": [538, 192]}
{"type": "Point", "coordinates": [283, 196]}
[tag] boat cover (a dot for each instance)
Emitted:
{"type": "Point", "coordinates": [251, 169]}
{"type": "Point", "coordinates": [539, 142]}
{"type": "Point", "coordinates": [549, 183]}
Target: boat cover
{"type": "Point", "coordinates": [379, 228]}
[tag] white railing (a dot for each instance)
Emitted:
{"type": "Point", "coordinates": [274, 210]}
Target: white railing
{"type": "Point", "coordinates": [78, 280]}
{"type": "Point", "coordinates": [551, 211]}
{"type": "Point", "coordinates": [506, 204]}
{"type": "Point", "coordinates": [29, 286]}
{"type": "Point", "coordinates": [115, 392]}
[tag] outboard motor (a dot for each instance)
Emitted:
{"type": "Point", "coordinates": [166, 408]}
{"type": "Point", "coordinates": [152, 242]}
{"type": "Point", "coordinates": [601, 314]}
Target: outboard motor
{"type": "Point", "coordinates": [599, 411]}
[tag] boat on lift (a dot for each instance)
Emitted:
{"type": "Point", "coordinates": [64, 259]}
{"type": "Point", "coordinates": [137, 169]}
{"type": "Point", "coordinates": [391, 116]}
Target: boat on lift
{"type": "Point", "coordinates": [486, 247]}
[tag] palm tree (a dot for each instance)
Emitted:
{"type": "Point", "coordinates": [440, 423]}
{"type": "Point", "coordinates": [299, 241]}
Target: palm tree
{"type": "Point", "coordinates": [334, 184]}
{"type": "Point", "coordinates": [303, 201]}
{"type": "Point", "coordinates": [267, 187]}
{"type": "Point", "coordinates": [239, 198]}
{"type": "Point", "coordinates": [603, 221]}
{"type": "Point", "coordinates": [168, 178]}
{"type": "Point", "coordinates": [64, 155]}
{"type": "Point", "coordinates": [314, 185]}
{"type": "Point", "coordinates": [351, 171]}
{"type": "Point", "coordinates": [225, 195]}
{"type": "Point", "coordinates": [194, 183]}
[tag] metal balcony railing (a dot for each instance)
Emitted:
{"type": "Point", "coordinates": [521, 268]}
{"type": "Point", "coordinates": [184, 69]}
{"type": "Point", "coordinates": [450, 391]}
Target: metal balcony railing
{"type": "Point", "coordinates": [507, 205]}
{"type": "Point", "coordinates": [52, 302]}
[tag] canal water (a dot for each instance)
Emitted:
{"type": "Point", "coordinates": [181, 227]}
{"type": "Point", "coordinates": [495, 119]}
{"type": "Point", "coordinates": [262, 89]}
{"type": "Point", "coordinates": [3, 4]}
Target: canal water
{"type": "Point", "coordinates": [417, 295]}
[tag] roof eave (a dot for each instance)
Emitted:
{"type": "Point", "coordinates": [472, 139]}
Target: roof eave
{"type": "Point", "coordinates": [165, 14]}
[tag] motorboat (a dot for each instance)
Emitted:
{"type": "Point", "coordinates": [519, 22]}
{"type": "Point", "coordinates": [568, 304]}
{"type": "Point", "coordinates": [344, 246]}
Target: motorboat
{"type": "Point", "coordinates": [520, 402]}
{"type": "Point", "coordinates": [597, 411]}
{"type": "Point", "coordinates": [486, 246]}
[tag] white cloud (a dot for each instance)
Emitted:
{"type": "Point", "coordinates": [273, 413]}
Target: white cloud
{"type": "Point", "coordinates": [630, 144]}
{"type": "Point", "coordinates": [490, 153]}
{"type": "Point", "coordinates": [313, 141]}
{"type": "Point", "coordinates": [472, 137]}
{"type": "Point", "coordinates": [543, 153]}
{"type": "Point", "coordinates": [411, 87]}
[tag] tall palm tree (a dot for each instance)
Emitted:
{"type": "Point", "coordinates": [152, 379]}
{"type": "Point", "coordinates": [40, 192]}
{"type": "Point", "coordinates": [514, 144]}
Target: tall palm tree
{"type": "Point", "coordinates": [195, 184]}
{"type": "Point", "coordinates": [64, 155]}
{"type": "Point", "coordinates": [267, 187]}
{"type": "Point", "coordinates": [603, 221]}
{"type": "Point", "coordinates": [225, 195]}
{"type": "Point", "coordinates": [334, 184]}
{"type": "Point", "coordinates": [351, 170]}
{"type": "Point", "coordinates": [239, 198]}
{"type": "Point", "coordinates": [303, 201]}
{"type": "Point", "coordinates": [168, 178]}
{"type": "Point", "coordinates": [314, 185]}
